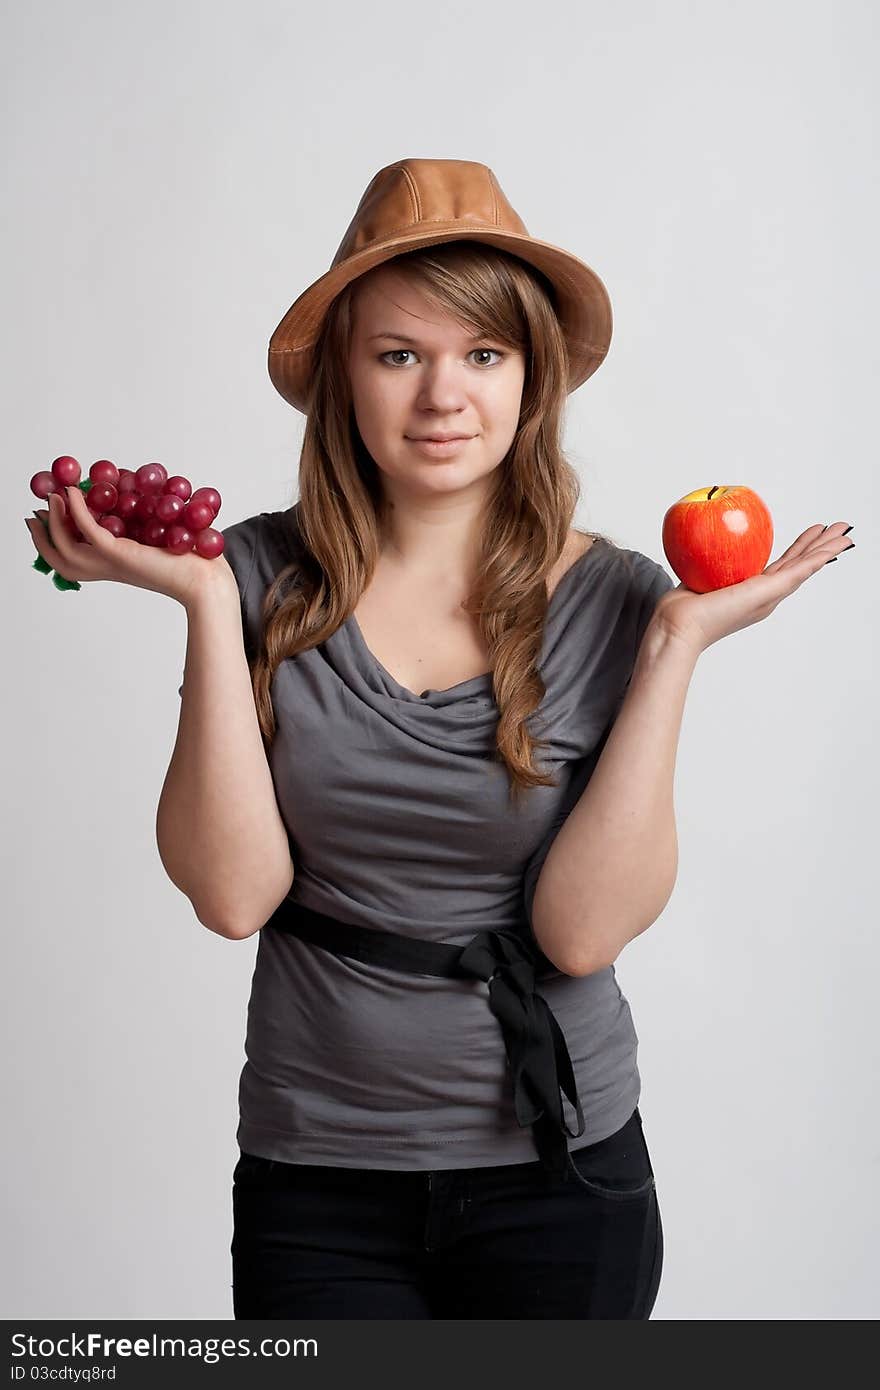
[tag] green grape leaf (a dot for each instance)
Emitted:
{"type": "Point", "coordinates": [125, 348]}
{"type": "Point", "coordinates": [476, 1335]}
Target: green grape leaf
{"type": "Point", "coordinates": [61, 583]}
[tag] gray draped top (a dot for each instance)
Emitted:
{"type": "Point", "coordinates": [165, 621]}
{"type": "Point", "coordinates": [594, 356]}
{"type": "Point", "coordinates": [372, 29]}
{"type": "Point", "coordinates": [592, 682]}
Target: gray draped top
{"type": "Point", "coordinates": [399, 818]}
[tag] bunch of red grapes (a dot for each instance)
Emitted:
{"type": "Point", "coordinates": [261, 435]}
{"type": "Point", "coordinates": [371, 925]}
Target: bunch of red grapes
{"type": "Point", "coordinates": [145, 505]}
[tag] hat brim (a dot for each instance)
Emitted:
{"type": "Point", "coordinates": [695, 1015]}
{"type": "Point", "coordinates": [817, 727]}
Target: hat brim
{"type": "Point", "coordinates": [583, 305]}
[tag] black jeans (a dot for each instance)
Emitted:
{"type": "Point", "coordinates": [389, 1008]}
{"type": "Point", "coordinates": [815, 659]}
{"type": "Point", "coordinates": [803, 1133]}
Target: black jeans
{"type": "Point", "coordinates": [509, 1241]}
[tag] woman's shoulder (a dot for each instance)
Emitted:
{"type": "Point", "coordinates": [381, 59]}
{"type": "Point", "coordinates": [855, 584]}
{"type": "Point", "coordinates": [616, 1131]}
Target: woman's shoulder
{"type": "Point", "coordinates": [587, 555]}
{"type": "Point", "coordinates": [597, 567]}
{"type": "Point", "coordinates": [638, 583]}
{"type": "Point", "coordinates": [576, 546]}
{"type": "Point", "coordinates": [633, 563]}
{"type": "Point", "coordinates": [604, 602]}
{"type": "Point", "coordinates": [261, 546]}
{"type": "Point", "coordinates": [279, 528]}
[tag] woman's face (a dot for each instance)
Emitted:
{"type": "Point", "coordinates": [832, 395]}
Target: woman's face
{"type": "Point", "coordinates": [417, 372]}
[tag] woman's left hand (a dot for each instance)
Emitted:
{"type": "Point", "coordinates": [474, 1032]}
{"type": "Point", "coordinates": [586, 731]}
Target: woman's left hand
{"type": "Point", "coordinates": [701, 619]}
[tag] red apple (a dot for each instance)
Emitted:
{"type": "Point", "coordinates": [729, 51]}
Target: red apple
{"type": "Point", "coordinates": [717, 536]}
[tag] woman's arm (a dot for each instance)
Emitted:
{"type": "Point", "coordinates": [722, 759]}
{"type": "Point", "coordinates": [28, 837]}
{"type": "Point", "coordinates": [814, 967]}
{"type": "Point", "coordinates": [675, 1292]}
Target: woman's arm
{"type": "Point", "coordinates": [611, 868]}
{"type": "Point", "coordinates": [220, 834]}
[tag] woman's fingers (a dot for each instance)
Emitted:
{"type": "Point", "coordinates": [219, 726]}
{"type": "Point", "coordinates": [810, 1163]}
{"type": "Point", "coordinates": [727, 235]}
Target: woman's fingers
{"type": "Point", "coordinates": [85, 520]}
{"type": "Point", "coordinates": [800, 545]}
{"type": "Point", "coordinates": [829, 536]}
{"type": "Point", "coordinates": [816, 540]}
{"type": "Point", "coordinates": [42, 539]}
{"type": "Point", "coordinates": [57, 541]}
{"type": "Point", "coordinates": [59, 529]}
{"type": "Point", "coordinates": [69, 515]}
{"type": "Point", "coordinates": [830, 543]}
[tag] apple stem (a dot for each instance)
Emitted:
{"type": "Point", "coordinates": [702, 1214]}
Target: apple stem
{"type": "Point", "coordinates": [711, 490]}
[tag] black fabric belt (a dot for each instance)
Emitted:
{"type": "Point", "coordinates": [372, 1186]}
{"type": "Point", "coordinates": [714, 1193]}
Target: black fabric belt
{"type": "Point", "coordinates": [538, 1058]}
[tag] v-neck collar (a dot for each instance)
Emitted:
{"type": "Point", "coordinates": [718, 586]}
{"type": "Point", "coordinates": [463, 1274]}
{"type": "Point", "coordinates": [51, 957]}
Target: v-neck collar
{"type": "Point", "coordinates": [477, 681]}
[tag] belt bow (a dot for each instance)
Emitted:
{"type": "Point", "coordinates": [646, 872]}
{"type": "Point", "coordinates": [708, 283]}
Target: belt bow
{"type": "Point", "coordinates": [540, 1064]}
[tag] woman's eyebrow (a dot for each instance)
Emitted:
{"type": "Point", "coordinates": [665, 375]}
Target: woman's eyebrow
{"type": "Point", "coordinates": [413, 342]}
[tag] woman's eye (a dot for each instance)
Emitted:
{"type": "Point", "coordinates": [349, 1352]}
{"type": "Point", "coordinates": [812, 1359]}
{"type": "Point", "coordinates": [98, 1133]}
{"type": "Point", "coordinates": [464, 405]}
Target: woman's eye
{"type": "Point", "coordinates": [404, 352]}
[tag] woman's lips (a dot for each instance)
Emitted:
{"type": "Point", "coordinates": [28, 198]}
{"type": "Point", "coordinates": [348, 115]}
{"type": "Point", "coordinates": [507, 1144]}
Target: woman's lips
{"type": "Point", "coordinates": [442, 446]}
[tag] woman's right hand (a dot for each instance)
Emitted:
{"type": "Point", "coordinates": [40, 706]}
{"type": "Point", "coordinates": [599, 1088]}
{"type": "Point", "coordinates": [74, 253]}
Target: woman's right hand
{"type": "Point", "coordinates": [101, 555]}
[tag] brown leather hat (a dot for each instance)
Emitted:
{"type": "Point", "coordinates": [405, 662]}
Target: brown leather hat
{"type": "Point", "coordinates": [423, 202]}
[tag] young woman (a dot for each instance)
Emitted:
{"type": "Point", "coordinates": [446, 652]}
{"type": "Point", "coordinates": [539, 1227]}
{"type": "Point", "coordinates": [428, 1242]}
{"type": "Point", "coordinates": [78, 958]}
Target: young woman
{"type": "Point", "coordinates": [426, 749]}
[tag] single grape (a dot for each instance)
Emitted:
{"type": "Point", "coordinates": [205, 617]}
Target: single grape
{"type": "Point", "coordinates": [145, 506]}
{"type": "Point", "coordinates": [104, 472]}
{"type": "Point", "coordinates": [112, 524]}
{"type": "Point", "coordinates": [66, 471]}
{"type": "Point", "coordinates": [101, 497]}
{"type": "Point", "coordinates": [169, 507]}
{"type": "Point", "coordinates": [127, 481]}
{"type": "Point", "coordinates": [126, 503]}
{"type": "Point", "coordinates": [209, 495]}
{"type": "Point", "coordinates": [209, 543]}
{"type": "Point", "coordinates": [153, 532]}
{"type": "Point", "coordinates": [180, 487]}
{"type": "Point", "coordinates": [43, 484]}
{"type": "Point", "coordinates": [151, 477]}
{"type": "Point", "coordinates": [179, 540]}
{"type": "Point", "coordinates": [197, 515]}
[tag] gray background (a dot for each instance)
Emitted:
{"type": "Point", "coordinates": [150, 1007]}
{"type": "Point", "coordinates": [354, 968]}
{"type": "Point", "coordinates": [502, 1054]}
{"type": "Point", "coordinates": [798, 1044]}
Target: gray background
{"type": "Point", "coordinates": [176, 175]}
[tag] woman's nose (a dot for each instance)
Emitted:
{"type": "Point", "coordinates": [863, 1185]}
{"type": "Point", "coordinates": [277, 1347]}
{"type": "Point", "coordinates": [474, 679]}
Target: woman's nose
{"type": "Point", "coordinates": [442, 388]}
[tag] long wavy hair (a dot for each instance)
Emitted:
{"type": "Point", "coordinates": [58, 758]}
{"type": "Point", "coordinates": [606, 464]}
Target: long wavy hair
{"type": "Point", "coordinates": [528, 514]}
